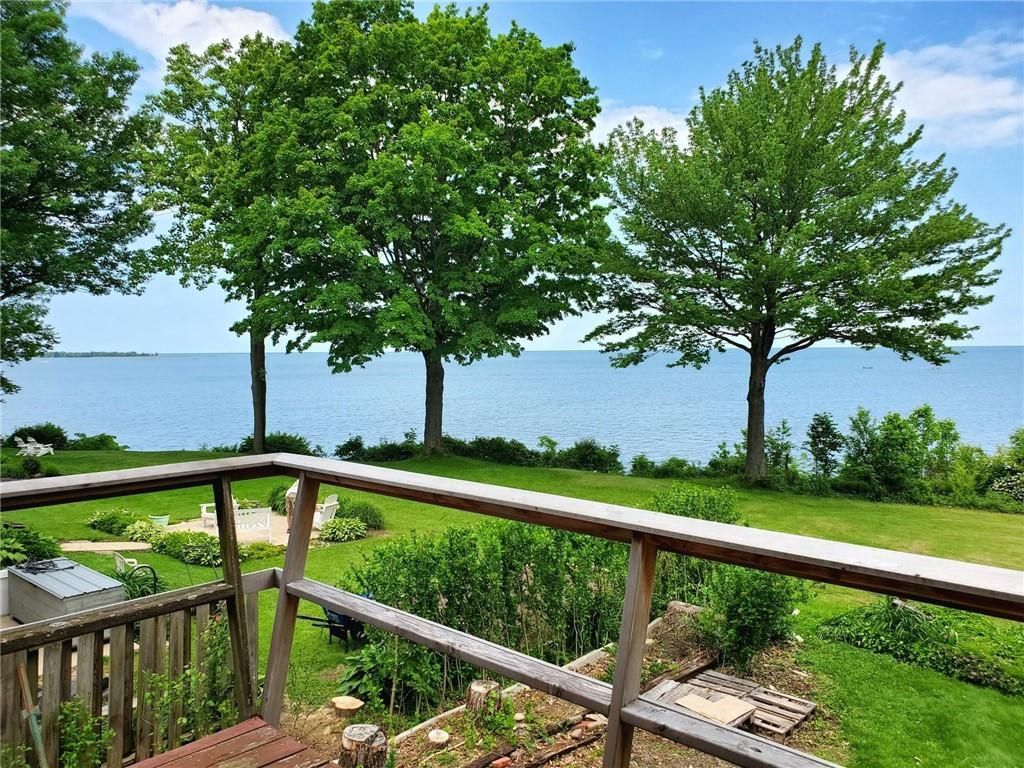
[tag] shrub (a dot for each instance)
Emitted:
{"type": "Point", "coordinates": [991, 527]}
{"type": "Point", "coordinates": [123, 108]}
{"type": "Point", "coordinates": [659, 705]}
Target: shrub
{"type": "Point", "coordinates": [641, 466]}
{"type": "Point", "coordinates": [957, 644]}
{"type": "Point", "coordinates": [824, 442]}
{"type": "Point", "coordinates": [139, 582]}
{"type": "Point", "coordinates": [191, 547]}
{"type": "Point", "coordinates": [725, 463]}
{"type": "Point", "coordinates": [11, 552]}
{"type": "Point", "coordinates": [100, 442]}
{"type": "Point", "coordinates": [354, 449]}
{"type": "Point", "coordinates": [259, 550]}
{"type": "Point", "coordinates": [46, 433]}
{"type": "Point", "coordinates": [369, 514]}
{"type": "Point", "coordinates": [589, 455]}
{"type": "Point", "coordinates": [144, 530]}
{"type": "Point", "coordinates": [282, 442]}
{"type": "Point", "coordinates": [112, 521]}
{"type": "Point", "coordinates": [343, 529]}
{"type": "Point", "coordinates": [13, 469]}
{"type": "Point", "coordinates": [83, 738]}
{"type": "Point", "coordinates": [502, 450]}
{"type": "Point", "coordinates": [746, 610]}
{"type": "Point", "coordinates": [31, 466]}
{"type": "Point", "coordinates": [31, 543]}
{"type": "Point", "coordinates": [276, 498]}
{"type": "Point", "coordinates": [717, 504]}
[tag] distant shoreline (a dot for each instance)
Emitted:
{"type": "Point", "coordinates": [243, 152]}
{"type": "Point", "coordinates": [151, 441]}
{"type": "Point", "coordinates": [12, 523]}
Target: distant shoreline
{"type": "Point", "coordinates": [101, 354]}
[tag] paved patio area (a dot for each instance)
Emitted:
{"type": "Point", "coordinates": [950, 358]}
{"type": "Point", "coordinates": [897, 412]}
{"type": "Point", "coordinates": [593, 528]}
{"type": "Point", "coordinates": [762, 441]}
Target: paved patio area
{"type": "Point", "coordinates": [278, 530]}
{"type": "Point", "coordinates": [105, 546]}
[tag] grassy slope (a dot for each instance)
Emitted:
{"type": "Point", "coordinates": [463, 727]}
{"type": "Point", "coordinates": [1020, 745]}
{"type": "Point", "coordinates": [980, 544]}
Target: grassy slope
{"type": "Point", "coordinates": [892, 714]}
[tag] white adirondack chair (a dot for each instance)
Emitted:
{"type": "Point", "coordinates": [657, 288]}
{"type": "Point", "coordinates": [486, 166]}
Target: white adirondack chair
{"type": "Point", "coordinates": [325, 511]}
{"type": "Point", "coordinates": [208, 513]}
{"type": "Point", "coordinates": [123, 564]}
{"type": "Point", "coordinates": [39, 449]}
{"type": "Point", "coordinates": [24, 449]}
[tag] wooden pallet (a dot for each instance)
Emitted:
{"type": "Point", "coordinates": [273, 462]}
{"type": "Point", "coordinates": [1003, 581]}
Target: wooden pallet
{"type": "Point", "coordinates": [775, 713]}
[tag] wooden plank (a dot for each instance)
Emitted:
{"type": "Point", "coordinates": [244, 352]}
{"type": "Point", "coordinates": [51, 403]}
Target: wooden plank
{"type": "Point", "coordinates": [89, 671]}
{"type": "Point", "coordinates": [202, 621]}
{"type": "Point", "coordinates": [56, 689]}
{"type": "Point", "coordinates": [563, 683]}
{"type": "Point", "coordinates": [252, 622]}
{"type": "Point", "coordinates": [147, 667]}
{"type": "Point", "coordinates": [257, 581]}
{"type": "Point", "coordinates": [731, 744]}
{"type": "Point", "coordinates": [629, 659]}
{"type": "Point", "coordinates": [25, 494]}
{"type": "Point", "coordinates": [178, 627]}
{"type": "Point", "coordinates": [207, 741]}
{"type": "Point", "coordinates": [10, 691]}
{"type": "Point", "coordinates": [39, 633]}
{"type": "Point", "coordinates": [245, 682]}
{"type": "Point", "coordinates": [222, 752]}
{"type": "Point", "coordinates": [288, 603]}
{"type": "Point", "coordinates": [979, 588]}
{"type": "Point", "coordinates": [118, 692]}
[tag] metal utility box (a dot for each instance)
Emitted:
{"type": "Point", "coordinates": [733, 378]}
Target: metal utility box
{"type": "Point", "coordinates": [49, 589]}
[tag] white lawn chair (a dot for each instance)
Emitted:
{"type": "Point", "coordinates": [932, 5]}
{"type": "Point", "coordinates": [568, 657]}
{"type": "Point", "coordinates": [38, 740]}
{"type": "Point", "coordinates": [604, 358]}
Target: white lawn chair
{"type": "Point", "coordinates": [39, 449]}
{"type": "Point", "coordinates": [124, 564]}
{"type": "Point", "coordinates": [254, 519]}
{"type": "Point", "coordinates": [24, 449]}
{"type": "Point", "coordinates": [325, 511]}
{"type": "Point", "coordinates": [208, 513]}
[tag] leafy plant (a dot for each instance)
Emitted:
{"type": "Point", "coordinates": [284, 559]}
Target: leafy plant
{"type": "Point", "coordinates": [138, 582]}
{"type": "Point", "coordinates": [340, 529]}
{"type": "Point", "coordinates": [591, 456]}
{"type": "Point", "coordinates": [276, 498]}
{"type": "Point", "coordinates": [83, 738]}
{"type": "Point", "coordinates": [112, 521]}
{"type": "Point", "coordinates": [368, 513]}
{"type": "Point", "coordinates": [100, 442]}
{"type": "Point", "coordinates": [12, 552]}
{"type": "Point", "coordinates": [144, 531]}
{"type": "Point", "coordinates": [34, 545]}
{"type": "Point", "coordinates": [191, 547]}
{"type": "Point", "coordinates": [717, 504]}
{"type": "Point", "coordinates": [259, 550]}
{"type": "Point", "coordinates": [282, 442]}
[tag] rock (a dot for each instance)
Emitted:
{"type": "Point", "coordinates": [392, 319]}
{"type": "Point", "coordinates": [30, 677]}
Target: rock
{"type": "Point", "coordinates": [597, 717]}
{"type": "Point", "coordinates": [346, 706]}
{"type": "Point", "coordinates": [519, 717]}
{"type": "Point", "coordinates": [591, 725]}
{"type": "Point", "coordinates": [516, 754]}
{"type": "Point", "coordinates": [438, 737]}
{"type": "Point", "coordinates": [649, 642]}
{"type": "Point", "coordinates": [576, 733]}
{"type": "Point", "coordinates": [501, 762]}
{"type": "Point", "coordinates": [678, 606]}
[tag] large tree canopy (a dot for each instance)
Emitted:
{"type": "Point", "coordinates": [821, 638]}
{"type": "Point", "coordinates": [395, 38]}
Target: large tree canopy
{"type": "Point", "coordinates": [70, 149]}
{"type": "Point", "coordinates": [798, 209]}
{"type": "Point", "coordinates": [217, 168]}
{"type": "Point", "coordinates": [449, 199]}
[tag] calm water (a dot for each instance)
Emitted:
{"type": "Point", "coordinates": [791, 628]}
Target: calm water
{"type": "Point", "coordinates": [184, 401]}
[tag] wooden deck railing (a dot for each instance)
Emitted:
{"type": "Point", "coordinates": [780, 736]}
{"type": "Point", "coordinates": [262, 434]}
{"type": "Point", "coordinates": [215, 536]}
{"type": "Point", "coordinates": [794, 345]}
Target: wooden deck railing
{"type": "Point", "coordinates": [978, 588]}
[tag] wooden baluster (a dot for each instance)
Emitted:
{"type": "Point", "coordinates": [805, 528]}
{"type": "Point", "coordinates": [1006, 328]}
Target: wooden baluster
{"type": "Point", "coordinates": [245, 683]}
{"type": "Point", "coordinates": [10, 712]}
{"type": "Point", "coordinates": [89, 671]}
{"type": "Point", "coordinates": [118, 691]}
{"type": "Point", "coordinates": [636, 613]}
{"type": "Point", "coordinates": [55, 690]}
{"type": "Point", "coordinates": [252, 620]}
{"type": "Point", "coordinates": [288, 605]}
{"type": "Point", "coordinates": [147, 666]}
{"type": "Point", "coordinates": [179, 626]}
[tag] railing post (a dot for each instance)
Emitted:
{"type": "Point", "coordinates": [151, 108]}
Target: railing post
{"type": "Point", "coordinates": [245, 681]}
{"type": "Point", "coordinates": [288, 605]}
{"type": "Point", "coordinates": [636, 613]}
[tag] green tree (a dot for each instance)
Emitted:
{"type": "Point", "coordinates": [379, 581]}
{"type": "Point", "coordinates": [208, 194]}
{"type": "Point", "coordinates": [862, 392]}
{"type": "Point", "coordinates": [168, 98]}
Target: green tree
{"type": "Point", "coordinates": [800, 210]}
{"type": "Point", "coordinates": [69, 208]}
{"type": "Point", "coordinates": [450, 190]}
{"type": "Point", "coordinates": [220, 167]}
{"type": "Point", "coordinates": [824, 443]}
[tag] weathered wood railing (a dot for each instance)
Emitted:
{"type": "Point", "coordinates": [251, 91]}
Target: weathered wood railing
{"type": "Point", "coordinates": [162, 635]}
{"type": "Point", "coordinates": [979, 588]}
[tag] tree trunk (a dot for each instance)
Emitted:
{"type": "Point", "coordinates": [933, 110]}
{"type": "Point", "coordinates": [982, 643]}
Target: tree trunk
{"type": "Point", "coordinates": [258, 374]}
{"type": "Point", "coordinates": [363, 746]}
{"type": "Point", "coordinates": [483, 696]}
{"type": "Point", "coordinates": [756, 467]}
{"type": "Point", "coordinates": [434, 403]}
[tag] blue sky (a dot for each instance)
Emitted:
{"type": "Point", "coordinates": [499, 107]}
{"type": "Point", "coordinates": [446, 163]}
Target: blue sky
{"type": "Point", "coordinates": [962, 65]}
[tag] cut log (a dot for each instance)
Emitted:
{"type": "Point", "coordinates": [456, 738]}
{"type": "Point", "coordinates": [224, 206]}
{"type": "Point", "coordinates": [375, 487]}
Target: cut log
{"type": "Point", "coordinates": [483, 696]}
{"type": "Point", "coordinates": [438, 737]}
{"type": "Point", "coordinates": [346, 706]}
{"type": "Point", "coordinates": [363, 746]}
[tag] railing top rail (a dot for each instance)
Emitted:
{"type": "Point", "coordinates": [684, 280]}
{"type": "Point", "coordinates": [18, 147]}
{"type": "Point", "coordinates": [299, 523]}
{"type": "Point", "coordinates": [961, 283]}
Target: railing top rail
{"type": "Point", "coordinates": [981, 588]}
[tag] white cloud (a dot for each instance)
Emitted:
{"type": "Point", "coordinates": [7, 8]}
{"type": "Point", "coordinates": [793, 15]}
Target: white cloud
{"type": "Point", "coordinates": [656, 118]}
{"type": "Point", "coordinates": [650, 52]}
{"type": "Point", "coordinates": [155, 27]}
{"type": "Point", "coordinates": [966, 95]}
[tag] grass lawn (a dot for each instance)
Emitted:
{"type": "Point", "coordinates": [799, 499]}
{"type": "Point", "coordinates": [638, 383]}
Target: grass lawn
{"type": "Point", "coordinates": [892, 714]}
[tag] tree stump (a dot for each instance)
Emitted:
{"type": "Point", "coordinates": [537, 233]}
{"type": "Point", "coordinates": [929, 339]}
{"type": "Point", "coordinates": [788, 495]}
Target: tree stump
{"type": "Point", "coordinates": [483, 696]}
{"type": "Point", "coordinates": [438, 737]}
{"type": "Point", "coordinates": [363, 746]}
{"type": "Point", "coordinates": [346, 706]}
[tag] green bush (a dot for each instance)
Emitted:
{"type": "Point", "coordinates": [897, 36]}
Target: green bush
{"type": "Point", "coordinates": [140, 582]}
{"type": "Point", "coordinates": [100, 442]}
{"type": "Point", "coordinates": [31, 466]}
{"type": "Point", "coordinates": [341, 529]}
{"type": "Point", "coordinates": [673, 467]}
{"type": "Point", "coordinates": [47, 433]}
{"type": "Point", "coordinates": [11, 552]}
{"type": "Point", "coordinates": [502, 450]}
{"type": "Point", "coordinates": [190, 547]}
{"type": "Point", "coordinates": [281, 442]}
{"type": "Point", "coordinates": [641, 466]}
{"type": "Point", "coordinates": [259, 550]}
{"type": "Point", "coordinates": [369, 514]}
{"type": "Point", "coordinates": [83, 738]}
{"type": "Point", "coordinates": [590, 456]}
{"type": "Point", "coordinates": [717, 504]}
{"type": "Point", "coordinates": [29, 542]}
{"type": "Point", "coordinates": [12, 468]}
{"type": "Point", "coordinates": [276, 498]}
{"type": "Point", "coordinates": [746, 610]}
{"type": "Point", "coordinates": [112, 521]}
{"type": "Point", "coordinates": [144, 531]}
{"type": "Point", "coordinates": [958, 644]}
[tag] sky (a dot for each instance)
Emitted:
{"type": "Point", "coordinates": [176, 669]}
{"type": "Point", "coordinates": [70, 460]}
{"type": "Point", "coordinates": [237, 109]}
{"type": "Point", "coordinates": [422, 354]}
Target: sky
{"type": "Point", "coordinates": [962, 65]}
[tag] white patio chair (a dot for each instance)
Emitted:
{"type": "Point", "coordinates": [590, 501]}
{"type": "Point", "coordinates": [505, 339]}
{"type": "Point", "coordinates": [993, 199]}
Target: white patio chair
{"type": "Point", "coordinates": [254, 519]}
{"type": "Point", "coordinates": [325, 511]}
{"type": "Point", "coordinates": [124, 564]}
{"type": "Point", "coordinates": [208, 513]}
{"type": "Point", "coordinates": [40, 449]}
{"type": "Point", "coordinates": [24, 449]}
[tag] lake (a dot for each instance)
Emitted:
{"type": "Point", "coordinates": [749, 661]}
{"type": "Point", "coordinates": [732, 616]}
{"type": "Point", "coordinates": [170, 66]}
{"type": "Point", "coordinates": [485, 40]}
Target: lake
{"type": "Point", "coordinates": [186, 401]}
